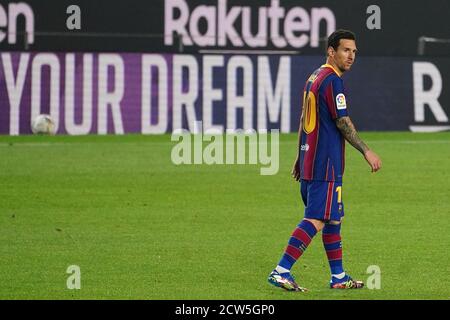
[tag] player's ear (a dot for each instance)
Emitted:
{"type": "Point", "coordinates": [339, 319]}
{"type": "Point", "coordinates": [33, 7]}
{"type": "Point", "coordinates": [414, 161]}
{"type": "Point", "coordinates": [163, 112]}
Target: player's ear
{"type": "Point", "coordinates": [330, 51]}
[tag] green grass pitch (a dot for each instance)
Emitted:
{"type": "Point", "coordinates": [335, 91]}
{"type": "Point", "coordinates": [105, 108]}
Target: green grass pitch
{"type": "Point", "coordinates": [140, 227]}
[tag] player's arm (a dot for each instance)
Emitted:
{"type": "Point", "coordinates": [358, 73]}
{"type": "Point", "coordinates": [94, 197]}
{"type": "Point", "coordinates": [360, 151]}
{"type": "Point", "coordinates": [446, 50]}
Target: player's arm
{"type": "Point", "coordinates": [348, 130]}
{"type": "Point", "coordinates": [296, 169]}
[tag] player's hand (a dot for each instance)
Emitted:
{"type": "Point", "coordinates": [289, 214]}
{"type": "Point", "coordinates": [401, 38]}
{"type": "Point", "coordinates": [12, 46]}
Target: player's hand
{"type": "Point", "coordinates": [373, 160]}
{"type": "Point", "coordinates": [296, 170]}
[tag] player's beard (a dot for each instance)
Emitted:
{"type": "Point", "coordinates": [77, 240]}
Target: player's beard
{"type": "Point", "coordinates": [343, 68]}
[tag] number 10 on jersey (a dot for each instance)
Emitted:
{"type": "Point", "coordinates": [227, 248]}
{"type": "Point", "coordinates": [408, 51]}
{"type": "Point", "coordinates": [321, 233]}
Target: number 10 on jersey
{"type": "Point", "coordinates": [309, 115]}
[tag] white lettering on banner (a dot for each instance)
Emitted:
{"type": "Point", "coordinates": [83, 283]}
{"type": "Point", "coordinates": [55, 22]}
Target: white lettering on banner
{"type": "Point", "coordinates": [172, 25]}
{"type": "Point", "coordinates": [428, 97]}
{"type": "Point", "coordinates": [3, 23]}
{"type": "Point", "coordinates": [297, 20]}
{"type": "Point", "coordinates": [150, 61]}
{"type": "Point", "coordinates": [275, 13]}
{"type": "Point", "coordinates": [236, 101]}
{"type": "Point", "coordinates": [260, 39]}
{"type": "Point", "coordinates": [10, 20]}
{"type": "Point", "coordinates": [110, 98]}
{"type": "Point", "coordinates": [209, 93]}
{"type": "Point", "coordinates": [182, 97]}
{"type": "Point", "coordinates": [180, 21]}
{"type": "Point", "coordinates": [278, 103]}
{"type": "Point", "coordinates": [14, 87]}
{"type": "Point", "coordinates": [226, 24]}
{"type": "Point", "coordinates": [209, 15]}
{"type": "Point", "coordinates": [225, 95]}
{"type": "Point", "coordinates": [317, 15]}
{"type": "Point", "coordinates": [69, 103]}
{"type": "Point", "coordinates": [51, 61]}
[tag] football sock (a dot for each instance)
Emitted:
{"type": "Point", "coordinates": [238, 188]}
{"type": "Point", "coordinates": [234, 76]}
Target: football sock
{"type": "Point", "coordinates": [280, 269]}
{"type": "Point", "coordinates": [299, 241]}
{"type": "Point", "coordinates": [339, 276]}
{"type": "Point", "coordinates": [331, 237]}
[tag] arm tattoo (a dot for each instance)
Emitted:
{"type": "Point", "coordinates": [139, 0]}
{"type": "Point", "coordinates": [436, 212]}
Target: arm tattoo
{"type": "Point", "coordinates": [345, 125]}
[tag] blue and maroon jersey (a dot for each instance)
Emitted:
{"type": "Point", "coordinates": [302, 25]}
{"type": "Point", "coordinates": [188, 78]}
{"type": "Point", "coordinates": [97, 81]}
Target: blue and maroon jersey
{"type": "Point", "coordinates": [322, 146]}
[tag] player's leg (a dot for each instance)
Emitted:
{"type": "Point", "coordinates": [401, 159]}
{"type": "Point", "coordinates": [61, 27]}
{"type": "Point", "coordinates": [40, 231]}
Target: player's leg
{"type": "Point", "coordinates": [332, 241]}
{"type": "Point", "coordinates": [300, 238]}
{"type": "Point", "coordinates": [319, 224]}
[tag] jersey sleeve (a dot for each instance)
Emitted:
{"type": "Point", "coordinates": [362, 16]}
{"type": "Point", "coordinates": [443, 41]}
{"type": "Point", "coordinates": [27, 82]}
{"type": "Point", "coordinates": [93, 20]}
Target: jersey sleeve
{"type": "Point", "coordinates": [336, 100]}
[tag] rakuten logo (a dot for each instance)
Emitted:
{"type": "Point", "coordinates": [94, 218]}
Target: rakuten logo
{"type": "Point", "coordinates": [9, 19]}
{"type": "Point", "coordinates": [275, 25]}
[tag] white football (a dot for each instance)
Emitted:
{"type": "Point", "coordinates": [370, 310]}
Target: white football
{"type": "Point", "coordinates": [43, 124]}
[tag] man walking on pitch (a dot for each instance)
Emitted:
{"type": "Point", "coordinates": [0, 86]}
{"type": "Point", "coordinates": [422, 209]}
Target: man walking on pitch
{"type": "Point", "coordinates": [324, 127]}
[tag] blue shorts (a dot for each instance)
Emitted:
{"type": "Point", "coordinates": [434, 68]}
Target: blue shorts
{"type": "Point", "coordinates": [322, 199]}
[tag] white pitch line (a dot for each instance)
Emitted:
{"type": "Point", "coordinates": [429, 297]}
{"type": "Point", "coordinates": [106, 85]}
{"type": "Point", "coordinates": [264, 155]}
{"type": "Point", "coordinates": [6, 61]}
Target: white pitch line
{"type": "Point", "coordinates": [61, 144]}
{"type": "Point", "coordinates": [408, 141]}
{"type": "Point", "coordinates": [50, 144]}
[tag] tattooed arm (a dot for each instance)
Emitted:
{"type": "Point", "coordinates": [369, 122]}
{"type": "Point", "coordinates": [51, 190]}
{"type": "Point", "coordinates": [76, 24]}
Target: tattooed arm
{"type": "Point", "coordinates": [346, 127]}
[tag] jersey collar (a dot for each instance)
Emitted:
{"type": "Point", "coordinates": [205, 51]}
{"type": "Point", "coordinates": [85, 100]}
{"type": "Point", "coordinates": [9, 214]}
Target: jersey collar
{"type": "Point", "coordinates": [330, 66]}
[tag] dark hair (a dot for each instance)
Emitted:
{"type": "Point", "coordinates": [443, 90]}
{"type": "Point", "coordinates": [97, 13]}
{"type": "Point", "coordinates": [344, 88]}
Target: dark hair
{"type": "Point", "coordinates": [335, 38]}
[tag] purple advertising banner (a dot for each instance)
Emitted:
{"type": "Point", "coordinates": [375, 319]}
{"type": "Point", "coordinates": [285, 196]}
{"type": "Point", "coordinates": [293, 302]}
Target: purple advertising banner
{"type": "Point", "coordinates": [119, 93]}
{"type": "Point", "coordinates": [84, 93]}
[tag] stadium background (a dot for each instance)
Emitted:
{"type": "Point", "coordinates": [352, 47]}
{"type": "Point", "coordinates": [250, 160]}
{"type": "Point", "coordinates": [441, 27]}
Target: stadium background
{"type": "Point", "coordinates": [117, 74]}
{"type": "Point", "coordinates": [139, 226]}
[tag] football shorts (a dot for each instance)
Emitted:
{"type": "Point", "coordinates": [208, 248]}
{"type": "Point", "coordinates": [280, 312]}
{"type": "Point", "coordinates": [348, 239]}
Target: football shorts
{"type": "Point", "coordinates": [322, 199]}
